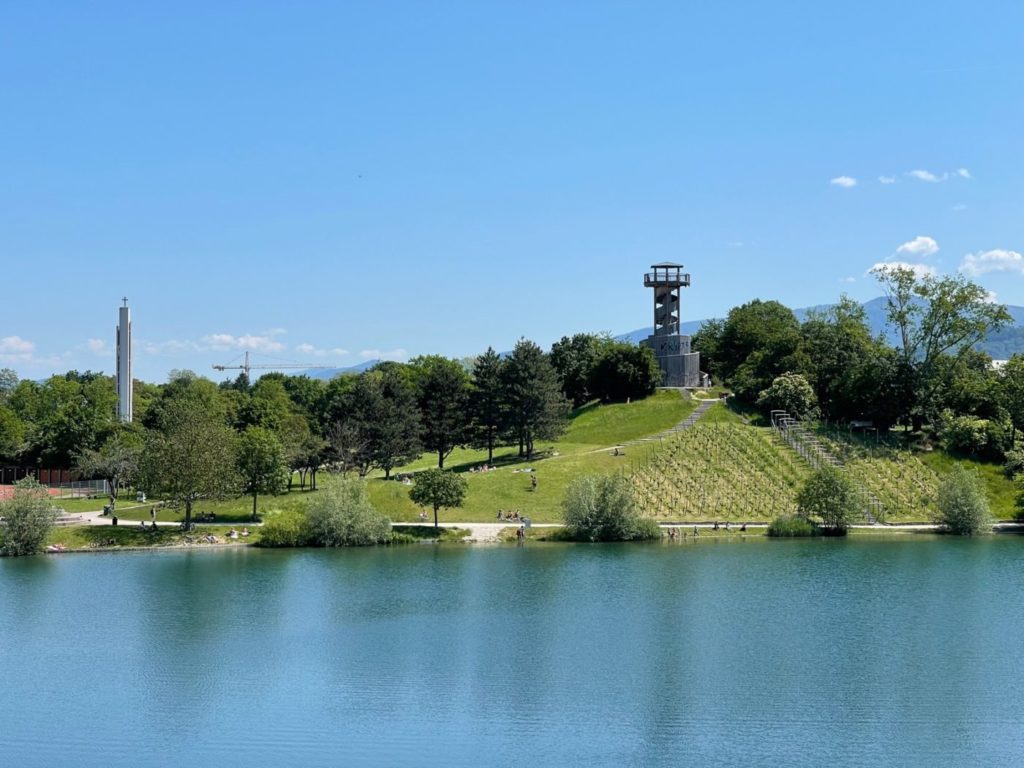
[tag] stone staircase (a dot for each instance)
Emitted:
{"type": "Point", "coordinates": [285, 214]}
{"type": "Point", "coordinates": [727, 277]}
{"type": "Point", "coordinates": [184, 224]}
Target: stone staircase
{"type": "Point", "coordinates": [793, 433]}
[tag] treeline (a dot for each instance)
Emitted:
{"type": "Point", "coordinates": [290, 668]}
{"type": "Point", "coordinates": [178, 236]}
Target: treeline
{"type": "Point", "coordinates": [285, 425]}
{"type": "Point", "coordinates": [933, 381]}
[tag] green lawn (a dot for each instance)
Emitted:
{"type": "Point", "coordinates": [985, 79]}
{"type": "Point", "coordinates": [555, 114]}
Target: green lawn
{"type": "Point", "coordinates": [1000, 490]}
{"type": "Point", "coordinates": [585, 448]}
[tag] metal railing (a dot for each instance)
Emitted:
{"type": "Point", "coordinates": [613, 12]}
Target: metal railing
{"type": "Point", "coordinates": [815, 453]}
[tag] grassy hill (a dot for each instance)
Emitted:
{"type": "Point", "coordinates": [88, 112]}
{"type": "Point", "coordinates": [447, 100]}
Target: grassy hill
{"type": "Point", "coordinates": [723, 469]}
{"type": "Point", "coordinates": [720, 470]}
{"type": "Point", "coordinates": [586, 448]}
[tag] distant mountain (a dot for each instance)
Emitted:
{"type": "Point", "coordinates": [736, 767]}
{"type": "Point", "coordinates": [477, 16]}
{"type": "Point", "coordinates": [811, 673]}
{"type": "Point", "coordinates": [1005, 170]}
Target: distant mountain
{"type": "Point", "coordinates": [1000, 345]}
{"type": "Point", "coordinates": [329, 373]}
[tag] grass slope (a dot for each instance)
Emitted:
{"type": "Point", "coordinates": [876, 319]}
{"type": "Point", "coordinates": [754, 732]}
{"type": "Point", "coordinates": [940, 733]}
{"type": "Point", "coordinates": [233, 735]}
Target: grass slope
{"type": "Point", "coordinates": [719, 470]}
{"type": "Point", "coordinates": [723, 469]}
{"type": "Point", "coordinates": [584, 449]}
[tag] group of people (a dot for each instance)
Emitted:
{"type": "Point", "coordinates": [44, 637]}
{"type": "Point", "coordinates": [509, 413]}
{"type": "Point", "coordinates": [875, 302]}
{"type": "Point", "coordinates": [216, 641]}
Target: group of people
{"type": "Point", "coordinates": [233, 534]}
{"type": "Point", "coordinates": [509, 516]}
{"type": "Point", "coordinates": [482, 468]}
{"type": "Point", "coordinates": [673, 530]}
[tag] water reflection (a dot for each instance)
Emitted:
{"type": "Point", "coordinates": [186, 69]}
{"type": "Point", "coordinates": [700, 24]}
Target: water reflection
{"type": "Point", "coordinates": [838, 652]}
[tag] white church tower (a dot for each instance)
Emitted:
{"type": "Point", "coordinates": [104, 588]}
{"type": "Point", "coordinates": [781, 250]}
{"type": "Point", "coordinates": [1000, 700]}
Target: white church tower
{"type": "Point", "coordinates": [124, 363]}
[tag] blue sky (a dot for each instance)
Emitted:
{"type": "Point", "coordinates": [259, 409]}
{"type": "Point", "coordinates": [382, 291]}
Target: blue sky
{"type": "Point", "coordinates": [328, 182]}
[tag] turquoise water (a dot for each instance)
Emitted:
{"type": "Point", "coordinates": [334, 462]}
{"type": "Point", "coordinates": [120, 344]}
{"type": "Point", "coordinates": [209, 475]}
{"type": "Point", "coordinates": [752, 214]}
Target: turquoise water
{"type": "Point", "coordinates": [753, 652]}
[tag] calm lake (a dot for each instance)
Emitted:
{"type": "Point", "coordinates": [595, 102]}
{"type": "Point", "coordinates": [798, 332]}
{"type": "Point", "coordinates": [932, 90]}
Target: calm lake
{"type": "Point", "coordinates": [751, 652]}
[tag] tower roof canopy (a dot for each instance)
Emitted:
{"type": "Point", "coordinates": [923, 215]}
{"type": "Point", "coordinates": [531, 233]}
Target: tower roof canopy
{"type": "Point", "coordinates": [666, 264]}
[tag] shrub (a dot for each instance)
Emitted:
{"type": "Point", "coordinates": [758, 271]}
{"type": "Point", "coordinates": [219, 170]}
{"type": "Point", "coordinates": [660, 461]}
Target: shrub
{"type": "Point", "coordinates": [285, 529]}
{"type": "Point", "coordinates": [792, 527]}
{"type": "Point", "coordinates": [984, 438]}
{"type": "Point", "coordinates": [602, 508]}
{"type": "Point", "coordinates": [29, 517]}
{"type": "Point", "coordinates": [830, 496]}
{"type": "Point", "coordinates": [789, 392]}
{"type": "Point", "coordinates": [963, 508]}
{"type": "Point", "coordinates": [1014, 464]}
{"type": "Point", "coordinates": [342, 516]}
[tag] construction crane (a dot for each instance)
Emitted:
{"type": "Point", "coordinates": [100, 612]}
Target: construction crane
{"type": "Point", "coordinates": [248, 366]}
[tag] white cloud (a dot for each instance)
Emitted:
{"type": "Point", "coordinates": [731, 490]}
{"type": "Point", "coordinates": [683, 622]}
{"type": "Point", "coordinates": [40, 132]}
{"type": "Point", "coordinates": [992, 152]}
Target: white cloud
{"type": "Point", "coordinates": [169, 347]}
{"type": "Point", "coordinates": [963, 173]}
{"type": "Point", "coordinates": [921, 246]}
{"type": "Point", "coordinates": [309, 349]}
{"type": "Point", "coordinates": [887, 179]}
{"type": "Point", "coordinates": [927, 176]}
{"type": "Point", "coordinates": [848, 280]}
{"type": "Point", "coordinates": [15, 345]}
{"type": "Point", "coordinates": [14, 349]}
{"type": "Point", "coordinates": [991, 298]}
{"type": "Point", "coordinates": [844, 181]}
{"type": "Point", "coordinates": [921, 270]}
{"type": "Point", "coordinates": [266, 342]}
{"type": "Point", "coordinates": [997, 260]}
{"type": "Point", "coordinates": [735, 244]}
{"type": "Point", "coordinates": [960, 207]}
{"type": "Point", "coordinates": [377, 354]}
{"type": "Point", "coordinates": [98, 347]}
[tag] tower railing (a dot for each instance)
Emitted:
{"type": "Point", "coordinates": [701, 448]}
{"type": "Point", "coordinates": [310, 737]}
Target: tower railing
{"type": "Point", "coordinates": [652, 279]}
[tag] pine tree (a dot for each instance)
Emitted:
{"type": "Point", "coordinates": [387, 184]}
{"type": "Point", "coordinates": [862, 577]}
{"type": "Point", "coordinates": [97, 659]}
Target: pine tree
{"type": "Point", "coordinates": [537, 409]}
{"type": "Point", "coordinates": [486, 406]}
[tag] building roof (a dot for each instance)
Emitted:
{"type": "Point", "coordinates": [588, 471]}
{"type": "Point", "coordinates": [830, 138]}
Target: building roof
{"type": "Point", "coordinates": [666, 264]}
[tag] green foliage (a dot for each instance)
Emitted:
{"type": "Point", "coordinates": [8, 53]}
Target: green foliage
{"type": "Point", "coordinates": [933, 317]}
{"type": "Point", "coordinates": [602, 508]}
{"type": "Point", "coordinates": [757, 342]}
{"type": "Point", "coordinates": [261, 465]}
{"type": "Point", "coordinates": [829, 495]}
{"type": "Point", "coordinates": [845, 365]}
{"type": "Point", "coordinates": [28, 516]}
{"type": "Point", "coordinates": [442, 394]}
{"type": "Point", "coordinates": [573, 359]}
{"type": "Point", "coordinates": [792, 526]}
{"type": "Point", "coordinates": [376, 420]}
{"type": "Point", "coordinates": [624, 371]}
{"type": "Point", "coordinates": [1011, 384]}
{"type": "Point", "coordinates": [963, 508]}
{"type": "Point", "coordinates": [438, 489]}
{"type": "Point", "coordinates": [285, 528]}
{"type": "Point", "coordinates": [12, 434]}
{"type": "Point", "coordinates": [117, 461]}
{"type": "Point", "coordinates": [1014, 464]}
{"type": "Point", "coordinates": [486, 406]}
{"type": "Point", "coordinates": [983, 438]}
{"type": "Point", "coordinates": [342, 516]}
{"type": "Point", "coordinates": [791, 393]}
{"type": "Point", "coordinates": [535, 407]}
{"type": "Point", "coordinates": [191, 456]}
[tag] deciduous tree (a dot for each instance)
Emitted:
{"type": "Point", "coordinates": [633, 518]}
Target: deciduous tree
{"type": "Point", "coordinates": [191, 457]}
{"type": "Point", "coordinates": [261, 464]}
{"type": "Point", "coordinates": [438, 489]}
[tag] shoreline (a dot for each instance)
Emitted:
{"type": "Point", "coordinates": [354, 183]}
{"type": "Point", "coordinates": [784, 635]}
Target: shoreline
{"type": "Point", "coordinates": [491, 534]}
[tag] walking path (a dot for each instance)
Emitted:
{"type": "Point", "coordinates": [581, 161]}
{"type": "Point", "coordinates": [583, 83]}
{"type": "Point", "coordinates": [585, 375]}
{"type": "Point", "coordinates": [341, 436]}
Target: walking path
{"type": "Point", "coordinates": [683, 425]}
